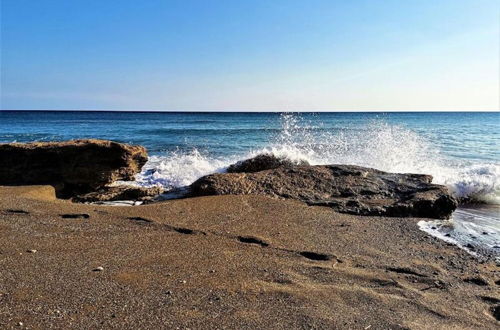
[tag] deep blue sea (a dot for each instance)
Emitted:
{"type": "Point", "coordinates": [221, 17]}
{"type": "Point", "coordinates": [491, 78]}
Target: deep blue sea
{"type": "Point", "coordinates": [461, 150]}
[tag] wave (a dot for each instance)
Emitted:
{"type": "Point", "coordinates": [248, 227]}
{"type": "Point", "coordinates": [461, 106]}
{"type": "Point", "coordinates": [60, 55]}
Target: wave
{"type": "Point", "coordinates": [376, 144]}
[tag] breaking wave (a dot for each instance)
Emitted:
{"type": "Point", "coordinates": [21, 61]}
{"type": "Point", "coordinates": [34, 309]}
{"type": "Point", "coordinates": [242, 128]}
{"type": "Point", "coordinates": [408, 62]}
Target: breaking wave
{"type": "Point", "coordinates": [376, 144]}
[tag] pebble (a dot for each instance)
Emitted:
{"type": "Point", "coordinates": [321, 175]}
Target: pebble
{"type": "Point", "coordinates": [169, 292]}
{"type": "Point", "coordinates": [183, 281]}
{"type": "Point", "coordinates": [211, 271]}
{"type": "Point", "coordinates": [20, 324]}
{"type": "Point", "coordinates": [99, 269]}
{"type": "Point", "coordinates": [32, 251]}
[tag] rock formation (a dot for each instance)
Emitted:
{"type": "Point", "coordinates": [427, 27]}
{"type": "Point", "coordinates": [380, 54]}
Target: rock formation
{"type": "Point", "coordinates": [72, 167]}
{"type": "Point", "coordinates": [261, 163]}
{"type": "Point", "coordinates": [345, 188]}
{"type": "Point", "coordinates": [119, 193]}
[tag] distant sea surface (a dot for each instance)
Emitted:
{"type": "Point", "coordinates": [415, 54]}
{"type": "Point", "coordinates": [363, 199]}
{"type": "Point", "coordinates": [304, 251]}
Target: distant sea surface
{"type": "Point", "coordinates": [461, 150]}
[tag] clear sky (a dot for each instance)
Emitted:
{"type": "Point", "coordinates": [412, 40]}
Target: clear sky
{"type": "Point", "coordinates": [250, 55]}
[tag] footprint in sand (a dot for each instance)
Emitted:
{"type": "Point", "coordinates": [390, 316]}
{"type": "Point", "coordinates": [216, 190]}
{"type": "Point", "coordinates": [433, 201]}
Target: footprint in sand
{"type": "Point", "coordinates": [140, 219]}
{"type": "Point", "coordinates": [17, 211]}
{"type": "Point", "coordinates": [252, 240]}
{"type": "Point", "coordinates": [75, 216]}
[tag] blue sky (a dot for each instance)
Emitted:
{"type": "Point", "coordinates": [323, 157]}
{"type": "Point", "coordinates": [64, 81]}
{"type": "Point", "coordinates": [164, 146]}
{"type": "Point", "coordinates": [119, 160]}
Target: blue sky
{"type": "Point", "coordinates": [250, 55]}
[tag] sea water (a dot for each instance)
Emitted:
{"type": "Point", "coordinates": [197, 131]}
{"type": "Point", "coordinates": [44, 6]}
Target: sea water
{"type": "Point", "coordinates": [460, 149]}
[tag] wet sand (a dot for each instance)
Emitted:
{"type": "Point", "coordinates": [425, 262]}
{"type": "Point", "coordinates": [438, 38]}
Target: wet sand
{"type": "Point", "coordinates": [234, 262]}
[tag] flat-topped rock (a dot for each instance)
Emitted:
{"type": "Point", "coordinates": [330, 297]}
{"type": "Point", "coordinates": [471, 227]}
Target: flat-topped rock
{"type": "Point", "coordinates": [119, 193]}
{"type": "Point", "coordinates": [345, 188]}
{"type": "Point", "coordinates": [72, 167]}
{"type": "Point", "coordinates": [261, 163]}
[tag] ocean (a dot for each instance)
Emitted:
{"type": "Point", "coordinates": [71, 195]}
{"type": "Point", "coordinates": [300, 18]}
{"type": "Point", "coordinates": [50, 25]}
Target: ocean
{"type": "Point", "coordinates": [460, 149]}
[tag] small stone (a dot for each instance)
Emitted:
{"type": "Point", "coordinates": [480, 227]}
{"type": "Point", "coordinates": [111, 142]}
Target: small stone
{"type": "Point", "coordinates": [20, 324]}
{"type": "Point", "coordinates": [31, 251]}
{"type": "Point", "coordinates": [99, 269]}
{"type": "Point", "coordinates": [169, 292]}
{"type": "Point", "coordinates": [211, 271]}
{"type": "Point", "coordinates": [183, 281]}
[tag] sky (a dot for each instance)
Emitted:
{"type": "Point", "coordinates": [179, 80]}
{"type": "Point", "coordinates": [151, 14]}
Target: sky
{"type": "Point", "coordinates": [259, 55]}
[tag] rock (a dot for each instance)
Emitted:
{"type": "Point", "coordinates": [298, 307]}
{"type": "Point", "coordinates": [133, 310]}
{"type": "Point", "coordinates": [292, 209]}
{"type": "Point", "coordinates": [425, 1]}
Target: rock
{"type": "Point", "coordinates": [98, 269]}
{"type": "Point", "coordinates": [31, 251]}
{"type": "Point", "coordinates": [72, 167]}
{"type": "Point", "coordinates": [119, 193]}
{"type": "Point", "coordinates": [345, 188]}
{"type": "Point", "coordinates": [261, 163]}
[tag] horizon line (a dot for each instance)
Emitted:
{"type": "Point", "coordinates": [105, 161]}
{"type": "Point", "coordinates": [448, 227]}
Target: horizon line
{"type": "Point", "coordinates": [245, 111]}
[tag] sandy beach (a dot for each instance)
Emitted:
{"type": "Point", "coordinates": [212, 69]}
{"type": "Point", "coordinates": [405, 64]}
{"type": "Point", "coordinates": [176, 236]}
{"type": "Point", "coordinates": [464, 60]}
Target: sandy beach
{"type": "Point", "coordinates": [195, 165]}
{"type": "Point", "coordinates": [235, 262]}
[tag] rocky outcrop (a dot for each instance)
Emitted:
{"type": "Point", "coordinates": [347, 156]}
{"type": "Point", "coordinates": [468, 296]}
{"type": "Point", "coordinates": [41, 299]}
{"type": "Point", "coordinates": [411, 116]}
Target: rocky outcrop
{"type": "Point", "coordinates": [261, 163]}
{"type": "Point", "coordinates": [345, 188]}
{"type": "Point", "coordinates": [72, 167]}
{"type": "Point", "coordinates": [120, 193]}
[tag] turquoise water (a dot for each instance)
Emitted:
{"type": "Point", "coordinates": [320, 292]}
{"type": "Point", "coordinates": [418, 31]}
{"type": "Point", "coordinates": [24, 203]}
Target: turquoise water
{"type": "Point", "coordinates": [460, 150]}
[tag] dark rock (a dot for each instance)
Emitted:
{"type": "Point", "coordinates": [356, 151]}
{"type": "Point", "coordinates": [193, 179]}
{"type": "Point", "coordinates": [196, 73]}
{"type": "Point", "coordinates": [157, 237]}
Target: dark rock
{"type": "Point", "coordinates": [119, 193]}
{"type": "Point", "coordinates": [72, 167]}
{"type": "Point", "coordinates": [261, 163]}
{"type": "Point", "coordinates": [345, 188]}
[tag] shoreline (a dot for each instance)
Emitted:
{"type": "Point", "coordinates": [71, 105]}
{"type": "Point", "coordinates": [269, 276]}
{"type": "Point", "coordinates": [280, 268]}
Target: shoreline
{"type": "Point", "coordinates": [233, 261]}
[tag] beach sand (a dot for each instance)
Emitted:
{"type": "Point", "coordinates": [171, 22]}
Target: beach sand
{"type": "Point", "coordinates": [230, 262]}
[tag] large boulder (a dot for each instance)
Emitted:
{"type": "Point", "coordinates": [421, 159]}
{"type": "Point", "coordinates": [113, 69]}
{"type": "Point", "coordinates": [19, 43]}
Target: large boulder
{"type": "Point", "coordinates": [72, 167]}
{"type": "Point", "coordinates": [345, 188]}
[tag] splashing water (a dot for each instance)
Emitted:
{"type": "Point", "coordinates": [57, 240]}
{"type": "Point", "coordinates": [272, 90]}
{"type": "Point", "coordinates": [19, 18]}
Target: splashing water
{"type": "Point", "coordinates": [390, 148]}
{"type": "Point", "coordinates": [376, 144]}
{"type": "Point", "coordinates": [178, 169]}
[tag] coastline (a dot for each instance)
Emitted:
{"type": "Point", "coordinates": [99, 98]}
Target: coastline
{"type": "Point", "coordinates": [230, 261]}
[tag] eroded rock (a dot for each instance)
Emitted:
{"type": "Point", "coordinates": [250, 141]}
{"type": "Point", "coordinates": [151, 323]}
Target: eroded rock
{"type": "Point", "coordinates": [261, 163]}
{"type": "Point", "coordinates": [72, 167]}
{"type": "Point", "coordinates": [345, 188]}
{"type": "Point", "coordinates": [119, 193]}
